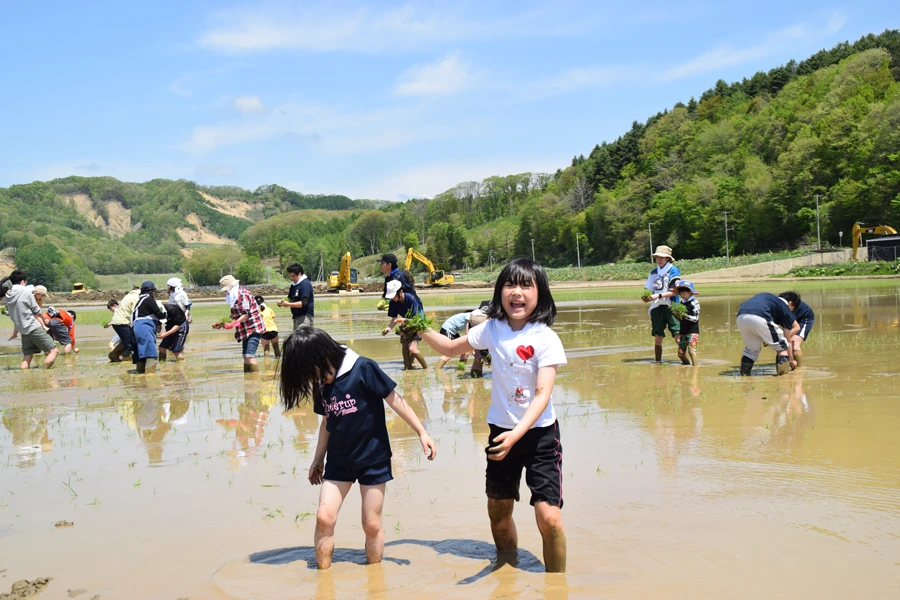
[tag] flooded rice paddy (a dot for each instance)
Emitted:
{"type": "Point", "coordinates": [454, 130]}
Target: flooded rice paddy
{"type": "Point", "coordinates": [679, 482]}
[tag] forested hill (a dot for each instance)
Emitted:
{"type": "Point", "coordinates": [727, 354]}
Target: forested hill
{"type": "Point", "coordinates": [761, 149]}
{"type": "Point", "coordinates": [70, 229]}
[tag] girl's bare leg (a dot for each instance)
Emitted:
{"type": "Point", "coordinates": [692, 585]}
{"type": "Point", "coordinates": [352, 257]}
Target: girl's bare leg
{"type": "Point", "coordinates": [372, 504]}
{"type": "Point", "coordinates": [549, 521]}
{"type": "Point", "coordinates": [330, 500]}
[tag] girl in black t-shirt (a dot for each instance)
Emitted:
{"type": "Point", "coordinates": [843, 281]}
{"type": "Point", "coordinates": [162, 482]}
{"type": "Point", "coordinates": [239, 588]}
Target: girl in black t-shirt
{"type": "Point", "coordinates": [349, 392]}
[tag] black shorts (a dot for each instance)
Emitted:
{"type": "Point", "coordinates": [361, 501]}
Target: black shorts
{"type": "Point", "coordinates": [540, 453]}
{"type": "Point", "coordinates": [452, 336]}
{"type": "Point", "coordinates": [375, 474]}
{"type": "Point", "coordinates": [175, 342]}
{"type": "Point", "coordinates": [270, 335]}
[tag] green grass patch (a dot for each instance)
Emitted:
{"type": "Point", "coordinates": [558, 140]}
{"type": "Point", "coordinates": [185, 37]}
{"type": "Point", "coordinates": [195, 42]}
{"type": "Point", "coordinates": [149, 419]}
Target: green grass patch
{"type": "Point", "coordinates": [847, 269]}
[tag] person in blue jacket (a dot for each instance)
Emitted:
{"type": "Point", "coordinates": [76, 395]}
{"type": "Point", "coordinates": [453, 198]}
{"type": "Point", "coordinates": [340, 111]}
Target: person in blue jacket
{"type": "Point", "coordinates": [806, 318]}
{"type": "Point", "coordinates": [767, 319]}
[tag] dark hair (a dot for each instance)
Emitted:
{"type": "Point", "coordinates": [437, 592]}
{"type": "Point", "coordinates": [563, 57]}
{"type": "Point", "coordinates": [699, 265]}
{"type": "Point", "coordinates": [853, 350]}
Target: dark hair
{"type": "Point", "coordinates": [792, 297]}
{"type": "Point", "coordinates": [295, 268]}
{"type": "Point", "coordinates": [72, 314]}
{"type": "Point", "coordinates": [259, 300]}
{"type": "Point", "coordinates": [17, 277]}
{"type": "Point", "coordinates": [305, 350]}
{"type": "Point", "coordinates": [389, 258]}
{"type": "Point", "coordinates": [525, 272]}
{"type": "Point", "coordinates": [151, 291]}
{"type": "Point", "coordinates": [112, 303]}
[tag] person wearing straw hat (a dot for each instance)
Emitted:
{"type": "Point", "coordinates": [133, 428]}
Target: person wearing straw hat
{"type": "Point", "coordinates": [25, 313]}
{"type": "Point", "coordinates": [660, 284]}
{"type": "Point", "coordinates": [246, 320]}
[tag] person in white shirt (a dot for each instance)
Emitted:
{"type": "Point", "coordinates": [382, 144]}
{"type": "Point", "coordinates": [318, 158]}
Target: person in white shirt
{"type": "Point", "coordinates": [524, 429]}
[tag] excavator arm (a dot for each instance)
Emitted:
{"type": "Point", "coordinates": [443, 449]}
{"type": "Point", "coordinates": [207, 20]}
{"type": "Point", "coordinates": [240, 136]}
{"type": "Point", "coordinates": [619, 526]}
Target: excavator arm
{"type": "Point", "coordinates": [434, 277]}
{"type": "Point", "coordinates": [412, 254]}
{"type": "Point", "coordinates": [859, 229]}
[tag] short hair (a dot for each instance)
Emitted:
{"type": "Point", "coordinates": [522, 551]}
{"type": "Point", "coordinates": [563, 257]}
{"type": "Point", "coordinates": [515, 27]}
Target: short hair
{"type": "Point", "coordinates": [295, 268]}
{"type": "Point", "coordinates": [792, 297]}
{"type": "Point", "coordinates": [305, 350]}
{"type": "Point", "coordinates": [389, 258]}
{"type": "Point", "coordinates": [525, 272]}
{"type": "Point", "coordinates": [72, 314]}
{"type": "Point", "coordinates": [112, 303]}
{"type": "Point", "coordinates": [17, 277]}
{"type": "Point", "coordinates": [259, 300]}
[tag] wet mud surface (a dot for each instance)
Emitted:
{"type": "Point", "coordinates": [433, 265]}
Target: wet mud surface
{"type": "Point", "coordinates": [679, 482]}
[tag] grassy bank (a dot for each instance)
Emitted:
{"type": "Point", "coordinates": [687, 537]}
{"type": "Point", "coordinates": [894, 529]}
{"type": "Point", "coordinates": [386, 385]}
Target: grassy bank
{"type": "Point", "coordinates": [849, 268]}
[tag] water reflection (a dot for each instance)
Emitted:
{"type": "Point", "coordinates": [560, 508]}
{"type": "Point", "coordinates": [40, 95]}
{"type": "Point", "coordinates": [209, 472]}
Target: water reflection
{"type": "Point", "coordinates": [30, 436]}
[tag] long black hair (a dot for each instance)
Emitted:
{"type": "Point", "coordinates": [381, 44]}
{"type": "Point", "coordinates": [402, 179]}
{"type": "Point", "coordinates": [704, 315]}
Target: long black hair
{"type": "Point", "coordinates": [524, 272]}
{"type": "Point", "coordinates": [306, 350]}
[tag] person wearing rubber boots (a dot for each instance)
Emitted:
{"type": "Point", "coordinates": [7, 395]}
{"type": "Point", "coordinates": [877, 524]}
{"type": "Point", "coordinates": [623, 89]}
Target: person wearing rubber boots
{"type": "Point", "coordinates": [659, 283]}
{"type": "Point", "coordinates": [404, 305]}
{"type": "Point", "coordinates": [145, 322]}
{"type": "Point", "coordinates": [690, 323]}
{"type": "Point", "coordinates": [767, 319]}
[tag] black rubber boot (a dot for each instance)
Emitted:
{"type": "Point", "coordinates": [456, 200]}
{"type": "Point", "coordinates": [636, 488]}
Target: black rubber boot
{"type": "Point", "coordinates": [116, 354]}
{"type": "Point", "coordinates": [139, 367]}
{"type": "Point", "coordinates": [746, 366]}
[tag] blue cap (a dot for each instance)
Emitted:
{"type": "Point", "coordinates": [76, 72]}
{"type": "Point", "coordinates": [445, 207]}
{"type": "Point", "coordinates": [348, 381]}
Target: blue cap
{"type": "Point", "coordinates": [684, 283]}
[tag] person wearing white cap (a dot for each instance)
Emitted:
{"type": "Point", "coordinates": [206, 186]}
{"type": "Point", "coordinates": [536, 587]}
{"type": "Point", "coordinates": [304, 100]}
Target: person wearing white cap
{"type": "Point", "coordinates": [404, 305]}
{"type": "Point", "coordinates": [178, 296]}
{"type": "Point", "coordinates": [660, 283]}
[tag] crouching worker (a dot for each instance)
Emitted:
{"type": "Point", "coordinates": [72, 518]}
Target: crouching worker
{"type": "Point", "coordinates": [246, 321]}
{"type": "Point", "coordinates": [457, 326]}
{"type": "Point", "coordinates": [806, 318]}
{"type": "Point", "coordinates": [145, 321]}
{"type": "Point", "coordinates": [121, 324]}
{"type": "Point", "coordinates": [25, 313]}
{"type": "Point", "coordinates": [176, 332]}
{"type": "Point", "coordinates": [349, 391]}
{"type": "Point", "coordinates": [404, 305]}
{"type": "Point", "coordinates": [761, 320]}
{"type": "Point", "coordinates": [61, 327]}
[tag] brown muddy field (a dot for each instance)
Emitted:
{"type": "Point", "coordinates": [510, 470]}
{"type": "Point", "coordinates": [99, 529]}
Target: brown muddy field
{"type": "Point", "coordinates": [679, 482]}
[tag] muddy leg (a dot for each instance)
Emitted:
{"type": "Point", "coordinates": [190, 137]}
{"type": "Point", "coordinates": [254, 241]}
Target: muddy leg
{"type": "Point", "coordinates": [275, 348]}
{"type": "Point", "coordinates": [407, 359]}
{"type": "Point", "coordinates": [51, 358]}
{"type": "Point", "coordinates": [414, 353]}
{"type": "Point", "coordinates": [782, 364]}
{"type": "Point", "coordinates": [692, 354]}
{"type": "Point", "coordinates": [657, 350]}
{"type": "Point", "coordinates": [549, 521]}
{"type": "Point", "coordinates": [372, 503]}
{"type": "Point", "coordinates": [440, 364]}
{"type": "Point", "coordinates": [503, 528]}
{"type": "Point", "coordinates": [330, 500]}
{"type": "Point", "coordinates": [163, 355]}
{"type": "Point", "coordinates": [150, 365]}
{"type": "Point", "coordinates": [798, 353]}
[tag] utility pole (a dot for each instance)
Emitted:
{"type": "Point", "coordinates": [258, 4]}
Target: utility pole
{"type": "Point", "coordinates": [578, 249]}
{"type": "Point", "coordinates": [650, 232]}
{"type": "Point", "coordinates": [818, 229]}
{"type": "Point", "coordinates": [491, 257]}
{"type": "Point", "coordinates": [727, 249]}
{"type": "Point", "coordinates": [532, 250]}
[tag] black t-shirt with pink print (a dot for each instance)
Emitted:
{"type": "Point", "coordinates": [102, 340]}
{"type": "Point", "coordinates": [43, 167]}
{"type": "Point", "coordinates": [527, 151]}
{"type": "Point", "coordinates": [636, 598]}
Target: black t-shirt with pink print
{"type": "Point", "coordinates": [354, 405]}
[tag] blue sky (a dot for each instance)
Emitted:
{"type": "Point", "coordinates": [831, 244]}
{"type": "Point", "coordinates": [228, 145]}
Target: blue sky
{"type": "Point", "coordinates": [372, 100]}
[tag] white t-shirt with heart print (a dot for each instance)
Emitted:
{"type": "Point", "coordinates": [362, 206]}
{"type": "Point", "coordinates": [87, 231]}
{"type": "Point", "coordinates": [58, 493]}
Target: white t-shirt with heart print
{"type": "Point", "coordinates": [517, 356]}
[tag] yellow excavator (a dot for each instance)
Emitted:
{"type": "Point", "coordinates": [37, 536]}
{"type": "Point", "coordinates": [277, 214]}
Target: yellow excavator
{"type": "Point", "coordinates": [433, 277]}
{"type": "Point", "coordinates": [345, 280]}
{"type": "Point", "coordinates": [860, 229]}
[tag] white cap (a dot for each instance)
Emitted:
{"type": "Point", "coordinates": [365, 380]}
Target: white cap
{"type": "Point", "coordinates": [392, 288]}
{"type": "Point", "coordinates": [174, 282]}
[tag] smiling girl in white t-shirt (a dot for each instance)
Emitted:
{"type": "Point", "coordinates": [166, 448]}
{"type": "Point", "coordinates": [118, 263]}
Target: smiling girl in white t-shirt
{"type": "Point", "coordinates": [524, 429]}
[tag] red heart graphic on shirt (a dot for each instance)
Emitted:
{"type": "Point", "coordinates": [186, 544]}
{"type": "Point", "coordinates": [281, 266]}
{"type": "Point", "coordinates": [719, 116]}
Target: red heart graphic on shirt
{"type": "Point", "coordinates": [525, 352]}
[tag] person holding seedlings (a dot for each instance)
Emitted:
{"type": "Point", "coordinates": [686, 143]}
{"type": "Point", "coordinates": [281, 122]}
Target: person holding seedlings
{"type": "Point", "coordinates": [25, 313]}
{"type": "Point", "coordinates": [270, 337]}
{"type": "Point", "coordinates": [145, 318]}
{"type": "Point", "coordinates": [121, 324]}
{"type": "Point", "coordinates": [245, 320]}
{"type": "Point", "coordinates": [176, 332]}
{"type": "Point", "coordinates": [456, 326]}
{"type": "Point", "coordinates": [524, 429]}
{"type": "Point", "coordinates": [349, 391]}
{"type": "Point", "coordinates": [659, 284]}
{"type": "Point", "coordinates": [403, 306]}
{"type": "Point", "coordinates": [301, 299]}
{"type": "Point", "coordinates": [806, 318]}
{"type": "Point", "coordinates": [61, 327]}
{"type": "Point", "coordinates": [688, 310]}
{"type": "Point", "coordinates": [761, 320]}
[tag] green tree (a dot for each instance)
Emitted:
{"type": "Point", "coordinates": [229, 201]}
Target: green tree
{"type": "Point", "coordinates": [207, 265]}
{"type": "Point", "coordinates": [41, 263]}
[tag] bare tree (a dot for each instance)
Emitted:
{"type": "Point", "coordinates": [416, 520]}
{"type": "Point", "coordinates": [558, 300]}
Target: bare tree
{"type": "Point", "coordinates": [580, 195]}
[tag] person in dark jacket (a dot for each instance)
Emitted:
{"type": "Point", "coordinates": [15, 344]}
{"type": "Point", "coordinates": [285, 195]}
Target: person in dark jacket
{"type": "Point", "coordinates": [393, 273]}
{"type": "Point", "coordinates": [145, 322]}
{"type": "Point", "coordinates": [301, 299]}
{"type": "Point", "coordinates": [767, 319]}
{"type": "Point", "coordinates": [805, 319]}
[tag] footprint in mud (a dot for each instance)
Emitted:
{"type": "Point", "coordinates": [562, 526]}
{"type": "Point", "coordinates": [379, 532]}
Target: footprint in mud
{"type": "Point", "coordinates": [64, 524]}
{"type": "Point", "coordinates": [26, 589]}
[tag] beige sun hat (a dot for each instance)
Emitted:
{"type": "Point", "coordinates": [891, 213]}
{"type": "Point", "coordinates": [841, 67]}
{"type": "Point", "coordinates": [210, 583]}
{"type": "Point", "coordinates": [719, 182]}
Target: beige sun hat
{"type": "Point", "coordinates": [227, 282]}
{"type": "Point", "coordinates": [476, 317]}
{"type": "Point", "coordinates": [665, 252]}
{"type": "Point", "coordinates": [39, 289]}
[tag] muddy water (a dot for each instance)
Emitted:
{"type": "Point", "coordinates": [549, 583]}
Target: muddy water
{"type": "Point", "coordinates": [679, 482]}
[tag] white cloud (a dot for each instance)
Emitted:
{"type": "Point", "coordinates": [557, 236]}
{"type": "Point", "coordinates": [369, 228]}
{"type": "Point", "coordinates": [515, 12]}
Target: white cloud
{"type": "Point", "coordinates": [447, 75]}
{"type": "Point", "coordinates": [430, 180]}
{"type": "Point", "coordinates": [328, 27]}
{"type": "Point", "coordinates": [728, 56]}
{"type": "Point", "coordinates": [249, 104]}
